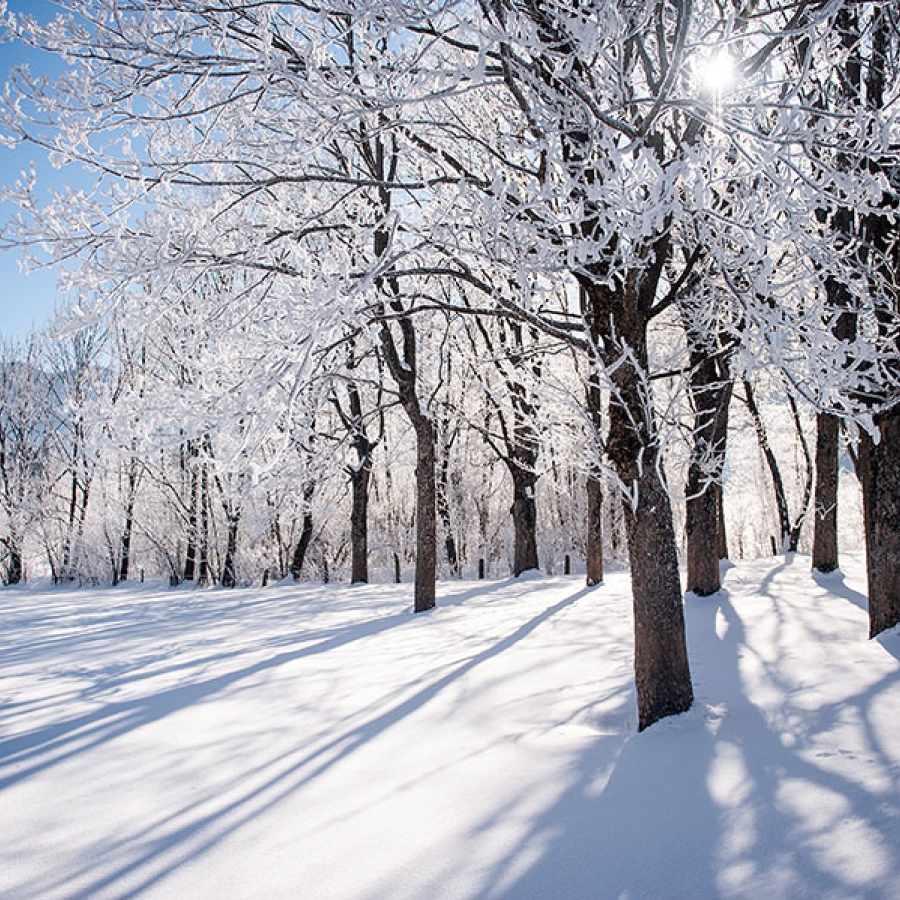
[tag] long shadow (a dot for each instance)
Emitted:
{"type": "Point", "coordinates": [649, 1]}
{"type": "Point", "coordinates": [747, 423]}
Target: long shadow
{"type": "Point", "coordinates": [700, 806]}
{"type": "Point", "coordinates": [834, 583]}
{"type": "Point", "coordinates": [192, 831]}
{"type": "Point", "coordinates": [29, 753]}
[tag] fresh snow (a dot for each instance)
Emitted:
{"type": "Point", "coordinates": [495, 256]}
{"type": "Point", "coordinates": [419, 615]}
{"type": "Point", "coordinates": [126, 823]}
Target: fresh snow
{"type": "Point", "coordinates": [321, 741]}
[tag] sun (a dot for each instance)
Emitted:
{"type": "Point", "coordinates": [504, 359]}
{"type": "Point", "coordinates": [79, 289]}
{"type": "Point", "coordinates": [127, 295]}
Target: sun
{"type": "Point", "coordinates": [718, 73]}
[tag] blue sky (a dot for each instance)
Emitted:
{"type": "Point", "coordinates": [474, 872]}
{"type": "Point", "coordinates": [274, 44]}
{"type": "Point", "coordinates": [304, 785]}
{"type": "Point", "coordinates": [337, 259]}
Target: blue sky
{"type": "Point", "coordinates": [24, 301]}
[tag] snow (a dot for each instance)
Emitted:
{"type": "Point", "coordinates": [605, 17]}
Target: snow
{"type": "Point", "coordinates": [323, 742]}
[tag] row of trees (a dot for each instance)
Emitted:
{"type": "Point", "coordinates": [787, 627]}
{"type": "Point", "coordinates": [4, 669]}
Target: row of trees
{"type": "Point", "coordinates": [623, 210]}
{"type": "Point", "coordinates": [126, 454]}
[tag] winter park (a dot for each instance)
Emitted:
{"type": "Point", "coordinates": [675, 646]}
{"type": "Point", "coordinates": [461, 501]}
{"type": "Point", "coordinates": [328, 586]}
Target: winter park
{"type": "Point", "coordinates": [450, 449]}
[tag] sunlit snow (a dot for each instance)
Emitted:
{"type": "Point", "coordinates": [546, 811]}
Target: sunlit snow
{"type": "Point", "coordinates": [323, 742]}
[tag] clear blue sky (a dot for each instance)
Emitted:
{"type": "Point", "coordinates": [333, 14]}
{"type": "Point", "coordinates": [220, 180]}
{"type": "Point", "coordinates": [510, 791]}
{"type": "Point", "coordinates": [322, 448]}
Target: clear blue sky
{"type": "Point", "coordinates": [24, 301]}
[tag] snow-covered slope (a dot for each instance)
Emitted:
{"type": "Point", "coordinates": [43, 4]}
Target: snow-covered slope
{"type": "Point", "coordinates": [322, 742]}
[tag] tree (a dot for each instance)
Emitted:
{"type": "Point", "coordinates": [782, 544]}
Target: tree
{"type": "Point", "coordinates": [710, 385]}
{"type": "Point", "coordinates": [24, 437]}
{"type": "Point", "coordinates": [513, 352]}
{"type": "Point", "coordinates": [880, 444]}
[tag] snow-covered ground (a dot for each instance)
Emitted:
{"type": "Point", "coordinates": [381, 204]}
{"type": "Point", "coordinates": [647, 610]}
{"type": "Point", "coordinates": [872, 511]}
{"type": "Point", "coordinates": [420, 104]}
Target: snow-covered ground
{"type": "Point", "coordinates": [322, 742]}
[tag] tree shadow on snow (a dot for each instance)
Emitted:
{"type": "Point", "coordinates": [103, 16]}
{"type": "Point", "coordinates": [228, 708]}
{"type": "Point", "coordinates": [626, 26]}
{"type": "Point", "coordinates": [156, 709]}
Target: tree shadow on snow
{"type": "Point", "coordinates": [196, 827]}
{"type": "Point", "coordinates": [719, 802]}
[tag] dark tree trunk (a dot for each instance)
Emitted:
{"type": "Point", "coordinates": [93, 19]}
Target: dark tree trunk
{"type": "Point", "coordinates": [426, 517]}
{"type": "Point", "coordinates": [203, 548]}
{"type": "Point", "coordinates": [524, 515]}
{"type": "Point", "coordinates": [662, 671]}
{"type": "Point", "coordinates": [825, 533]}
{"type": "Point", "coordinates": [520, 441]}
{"type": "Point", "coordinates": [128, 529]}
{"type": "Point", "coordinates": [299, 555]}
{"type": "Point", "coordinates": [723, 533]}
{"type": "Point", "coordinates": [702, 532]}
{"type": "Point", "coordinates": [443, 509]}
{"type": "Point", "coordinates": [125, 542]}
{"type": "Point", "coordinates": [359, 516]}
{"type": "Point", "coordinates": [360, 476]}
{"type": "Point", "coordinates": [595, 530]}
{"type": "Point", "coordinates": [661, 668]}
{"type": "Point", "coordinates": [229, 570]}
{"type": "Point", "coordinates": [594, 489]}
{"type": "Point", "coordinates": [190, 556]}
{"type": "Point", "coordinates": [703, 526]}
{"type": "Point", "coordinates": [403, 371]}
{"type": "Point", "coordinates": [880, 476]}
{"type": "Point", "coordinates": [15, 569]}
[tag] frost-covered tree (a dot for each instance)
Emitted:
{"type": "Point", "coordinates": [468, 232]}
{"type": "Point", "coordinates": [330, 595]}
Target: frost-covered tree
{"type": "Point", "coordinates": [24, 440]}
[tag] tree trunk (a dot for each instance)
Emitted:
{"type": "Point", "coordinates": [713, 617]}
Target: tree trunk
{"type": "Point", "coordinates": [360, 476]}
{"type": "Point", "coordinates": [359, 520]}
{"type": "Point", "coordinates": [703, 525]}
{"type": "Point", "coordinates": [661, 668]}
{"type": "Point", "coordinates": [443, 508]}
{"type": "Point", "coordinates": [426, 517]}
{"type": "Point", "coordinates": [880, 477]}
{"type": "Point", "coordinates": [190, 555]}
{"type": "Point", "coordinates": [128, 529]}
{"type": "Point", "coordinates": [15, 569]}
{"type": "Point", "coordinates": [229, 570]}
{"type": "Point", "coordinates": [524, 515]}
{"type": "Point", "coordinates": [784, 519]}
{"type": "Point", "coordinates": [125, 543]}
{"type": "Point", "coordinates": [825, 534]}
{"type": "Point", "coordinates": [594, 400]}
{"type": "Point", "coordinates": [702, 532]}
{"type": "Point", "coordinates": [203, 549]}
{"type": "Point", "coordinates": [595, 530]}
{"type": "Point", "coordinates": [723, 533]}
{"type": "Point", "coordinates": [403, 371]}
{"type": "Point", "coordinates": [299, 555]}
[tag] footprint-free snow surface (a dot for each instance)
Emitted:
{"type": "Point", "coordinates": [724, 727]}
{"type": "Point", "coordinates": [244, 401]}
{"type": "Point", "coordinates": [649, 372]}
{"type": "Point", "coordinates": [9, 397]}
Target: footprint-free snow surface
{"type": "Point", "coordinates": [315, 742]}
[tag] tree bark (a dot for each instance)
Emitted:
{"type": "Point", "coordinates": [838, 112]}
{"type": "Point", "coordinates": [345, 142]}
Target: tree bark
{"type": "Point", "coordinates": [128, 529]}
{"type": "Point", "coordinates": [594, 487]}
{"type": "Point", "coordinates": [661, 668]}
{"type": "Point", "coordinates": [299, 555]}
{"type": "Point", "coordinates": [403, 371]}
{"type": "Point", "coordinates": [190, 555]}
{"type": "Point", "coordinates": [426, 517]}
{"type": "Point", "coordinates": [723, 531]}
{"type": "Point", "coordinates": [203, 549]}
{"type": "Point", "coordinates": [703, 526]}
{"type": "Point", "coordinates": [359, 526]}
{"type": "Point", "coordinates": [790, 530]}
{"type": "Point", "coordinates": [443, 508]}
{"type": "Point", "coordinates": [595, 530]}
{"type": "Point", "coordinates": [524, 515]}
{"type": "Point", "coordinates": [15, 570]}
{"type": "Point", "coordinates": [880, 476]}
{"type": "Point", "coordinates": [229, 569]}
{"type": "Point", "coordinates": [825, 534]}
{"type": "Point", "coordinates": [360, 476]}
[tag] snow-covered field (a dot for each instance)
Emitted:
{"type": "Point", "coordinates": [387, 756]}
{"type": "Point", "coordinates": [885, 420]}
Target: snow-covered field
{"type": "Point", "coordinates": [322, 742]}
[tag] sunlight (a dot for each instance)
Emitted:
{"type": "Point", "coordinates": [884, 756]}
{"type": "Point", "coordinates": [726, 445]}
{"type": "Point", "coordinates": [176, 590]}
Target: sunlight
{"type": "Point", "coordinates": [718, 73]}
